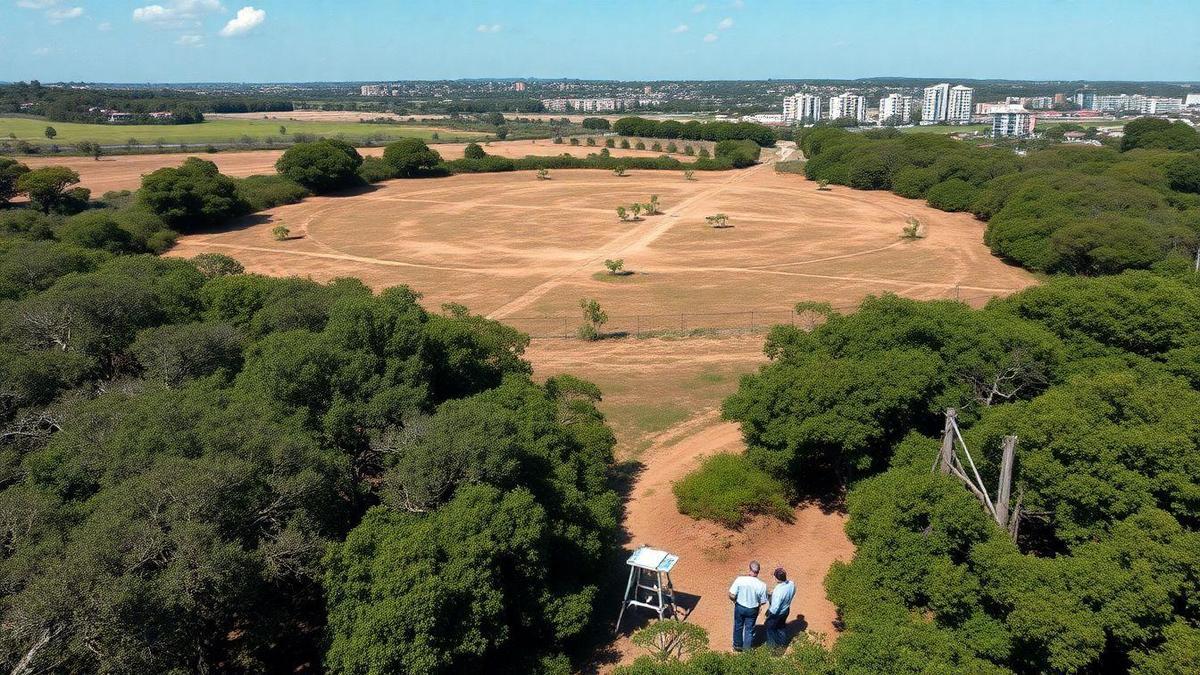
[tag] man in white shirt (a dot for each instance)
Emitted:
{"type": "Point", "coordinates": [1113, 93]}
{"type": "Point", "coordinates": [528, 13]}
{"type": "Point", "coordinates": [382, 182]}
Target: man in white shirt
{"type": "Point", "coordinates": [748, 593]}
{"type": "Point", "coordinates": [775, 621]}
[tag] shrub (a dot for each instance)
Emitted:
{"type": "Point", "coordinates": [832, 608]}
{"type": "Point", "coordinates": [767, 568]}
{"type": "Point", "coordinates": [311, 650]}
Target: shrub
{"type": "Point", "coordinates": [321, 166]}
{"type": "Point", "coordinates": [262, 192]}
{"type": "Point", "coordinates": [280, 232]}
{"type": "Point", "coordinates": [671, 147]}
{"type": "Point", "coordinates": [213, 265]}
{"type": "Point", "coordinates": [474, 151]}
{"type": "Point", "coordinates": [640, 146]}
{"type": "Point", "coordinates": [955, 194]}
{"type": "Point", "coordinates": [610, 143]}
{"type": "Point", "coordinates": [98, 230]}
{"type": "Point", "coordinates": [410, 157]}
{"type": "Point", "coordinates": [10, 171]}
{"type": "Point", "coordinates": [574, 141]}
{"type": "Point", "coordinates": [624, 143]}
{"type": "Point", "coordinates": [194, 194]}
{"type": "Point", "coordinates": [656, 147]}
{"type": "Point", "coordinates": [729, 489]}
{"type": "Point", "coordinates": [741, 153]}
{"type": "Point", "coordinates": [375, 170]}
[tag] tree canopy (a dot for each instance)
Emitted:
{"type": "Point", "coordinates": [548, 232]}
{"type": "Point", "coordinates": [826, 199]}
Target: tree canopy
{"type": "Point", "coordinates": [193, 195]}
{"type": "Point", "coordinates": [321, 166]}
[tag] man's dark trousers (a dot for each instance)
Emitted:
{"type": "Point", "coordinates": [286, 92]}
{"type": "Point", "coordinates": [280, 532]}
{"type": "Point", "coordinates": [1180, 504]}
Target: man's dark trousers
{"type": "Point", "coordinates": [776, 628]}
{"type": "Point", "coordinates": [744, 619]}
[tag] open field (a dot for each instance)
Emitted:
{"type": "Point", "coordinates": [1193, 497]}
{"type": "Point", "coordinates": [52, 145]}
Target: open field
{"type": "Point", "coordinates": [512, 247]}
{"type": "Point", "coordinates": [124, 172]}
{"type": "Point", "coordinates": [214, 131]}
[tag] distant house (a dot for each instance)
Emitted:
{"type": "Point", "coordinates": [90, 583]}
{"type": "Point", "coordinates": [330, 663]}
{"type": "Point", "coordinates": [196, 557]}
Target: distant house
{"type": "Point", "coordinates": [165, 115]}
{"type": "Point", "coordinates": [117, 117]}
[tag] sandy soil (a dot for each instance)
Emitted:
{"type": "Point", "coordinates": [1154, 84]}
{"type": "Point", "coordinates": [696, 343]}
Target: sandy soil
{"type": "Point", "coordinates": [513, 247]}
{"type": "Point", "coordinates": [124, 172]}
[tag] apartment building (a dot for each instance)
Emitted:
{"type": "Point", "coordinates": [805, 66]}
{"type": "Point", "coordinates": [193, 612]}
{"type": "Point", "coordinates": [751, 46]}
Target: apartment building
{"type": "Point", "coordinates": [935, 104]}
{"type": "Point", "coordinates": [896, 109]}
{"type": "Point", "coordinates": [959, 107]}
{"type": "Point", "coordinates": [1012, 121]}
{"type": "Point", "coordinates": [801, 108]}
{"type": "Point", "coordinates": [848, 105]}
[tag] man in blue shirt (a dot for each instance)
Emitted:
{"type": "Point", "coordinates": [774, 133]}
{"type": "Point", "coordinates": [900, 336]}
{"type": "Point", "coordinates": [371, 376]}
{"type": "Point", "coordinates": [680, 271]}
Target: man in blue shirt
{"type": "Point", "coordinates": [748, 593]}
{"type": "Point", "coordinates": [775, 622]}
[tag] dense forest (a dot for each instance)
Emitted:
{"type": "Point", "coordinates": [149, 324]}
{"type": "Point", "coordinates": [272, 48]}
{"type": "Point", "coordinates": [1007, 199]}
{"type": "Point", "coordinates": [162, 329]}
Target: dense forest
{"type": "Point", "coordinates": [1068, 209]}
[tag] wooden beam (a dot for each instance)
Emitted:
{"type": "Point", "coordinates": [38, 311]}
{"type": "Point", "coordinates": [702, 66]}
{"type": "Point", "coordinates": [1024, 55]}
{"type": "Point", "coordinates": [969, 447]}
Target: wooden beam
{"type": "Point", "coordinates": [1004, 489]}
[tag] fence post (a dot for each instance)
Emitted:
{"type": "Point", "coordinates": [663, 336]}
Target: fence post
{"type": "Point", "coordinates": [638, 332]}
{"type": "Point", "coordinates": [751, 321]}
{"type": "Point", "coordinates": [565, 333]}
{"type": "Point", "coordinates": [681, 321]}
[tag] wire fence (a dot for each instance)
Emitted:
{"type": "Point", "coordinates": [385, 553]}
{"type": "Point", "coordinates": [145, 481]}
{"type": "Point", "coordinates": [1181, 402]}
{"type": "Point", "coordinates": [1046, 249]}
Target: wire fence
{"type": "Point", "coordinates": [684, 323]}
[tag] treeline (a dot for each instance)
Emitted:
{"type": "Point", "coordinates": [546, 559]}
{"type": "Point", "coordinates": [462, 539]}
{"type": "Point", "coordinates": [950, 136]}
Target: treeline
{"type": "Point", "coordinates": [1075, 210]}
{"type": "Point", "coordinates": [1099, 380]}
{"type": "Point", "coordinates": [696, 130]}
{"type": "Point", "coordinates": [206, 470]}
{"type": "Point", "coordinates": [63, 104]}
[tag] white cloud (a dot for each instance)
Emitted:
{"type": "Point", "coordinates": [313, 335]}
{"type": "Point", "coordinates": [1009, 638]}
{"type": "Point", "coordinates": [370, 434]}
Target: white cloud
{"type": "Point", "coordinates": [738, 4]}
{"type": "Point", "coordinates": [190, 40]}
{"type": "Point", "coordinates": [246, 20]}
{"type": "Point", "coordinates": [485, 28]}
{"type": "Point", "coordinates": [726, 23]}
{"type": "Point", "coordinates": [681, 28]}
{"type": "Point", "coordinates": [711, 37]}
{"type": "Point", "coordinates": [37, 4]}
{"type": "Point", "coordinates": [699, 8]}
{"type": "Point", "coordinates": [176, 12]}
{"type": "Point", "coordinates": [41, 51]}
{"type": "Point", "coordinates": [56, 15]}
{"type": "Point", "coordinates": [104, 26]}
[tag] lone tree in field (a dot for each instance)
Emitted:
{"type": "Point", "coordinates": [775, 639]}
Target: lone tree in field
{"type": "Point", "coordinates": [637, 210]}
{"type": "Point", "coordinates": [717, 220]}
{"type": "Point", "coordinates": [615, 267]}
{"type": "Point", "coordinates": [474, 151]}
{"type": "Point", "coordinates": [689, 174]}
{"type": "Point", "coordinates": [51, 132]}
{"type": "Point", "coordinates": [593, 318]}
{"type": "Point", "coordinates": [622, 213]}
{"type": "Point", "coordinates": [619, 171]}
{"type": "Point", "coordinates": [280, 232]}
{"type": "Point", "coordinates": [624, 143]}
{"type": "Point", "coordinates": [543, 174]}
{"type": "Point", "coordinates": [652, 206]}
{"type": "Point", "coordinates": [282, 130]}
{"type": "Point", "coordinates": [914, 229]}
{"type": "Point", "coordinates": [90, 148]}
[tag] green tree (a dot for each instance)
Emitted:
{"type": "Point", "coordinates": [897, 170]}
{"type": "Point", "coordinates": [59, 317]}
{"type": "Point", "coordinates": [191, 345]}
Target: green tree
{"type": "Point", "coordinates": [47, 187]}
{"type": "Point", "coordinates": [217, 265]}
{"type": "Point", "coordinates": [616, 266]}
{"type": "Point", "coordinates": [594, 319]}
{"type": "Point", "coordinates": [10, 171]}
{"type": "Point", "coordinates": [50, 132]}
{"type": "Point", "coordinates": [194, 194]}
{"type": "Point", "coordinates": [474, 151]}
{"type": "Point", "coordinates": [1183, 173]}
{"type": "Point", "coordinates": [322, 166]}
{"type": "Point", "coordinates": [410, 157]}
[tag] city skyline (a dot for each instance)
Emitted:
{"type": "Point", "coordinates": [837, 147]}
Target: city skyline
{"type": "Point", "coordinates": [211, 41]}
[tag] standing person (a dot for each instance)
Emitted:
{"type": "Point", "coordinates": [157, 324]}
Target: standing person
{"type": "Point", "coordinates": [775, 621]}
{"type": "Point", "coordinates": [748, 593]}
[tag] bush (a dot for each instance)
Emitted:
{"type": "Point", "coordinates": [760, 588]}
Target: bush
{"type": "Point", "coordinates": [410, 157]}
{"type": "Point", "coordinates": [195, 194]}
{"type": "Point", "coordinates": [10, 171]}
{"type": "Point", "coordinates": [740, 153]}
{"type": "Point", "coordinates": [263, 192]}
{"type": "Point", "coordinates": [48, 191]}
{"type": "Point", "coordinates": [952, 195]}
{"type": "Point", "coordinates": [321, 166]}
{"type": "Point", "coordinates": [598, 123]}
{"type": "Point", "coordinates": [474, 151]}
{"type": "Point", "coordinates": [375, 170]}
{"type": "Point", "coordinates": [729, 489]}
{"type": "Point", "coordinates": [706, 131]}
{"type": "Point", "coordinates": [98, 230]}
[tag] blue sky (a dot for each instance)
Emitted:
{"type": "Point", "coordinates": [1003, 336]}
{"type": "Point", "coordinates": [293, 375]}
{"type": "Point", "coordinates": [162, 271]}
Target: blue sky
{"type": "Point", "coordinates": [308, 40]}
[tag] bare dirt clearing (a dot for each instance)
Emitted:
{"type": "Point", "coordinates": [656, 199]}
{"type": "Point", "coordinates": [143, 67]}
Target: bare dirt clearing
{"type": "Point", "coordinates": [662, 398]}
{"type": "Point", "coordinates": [124, 172]}
{"type": "Point", "coordinates": [510, 246]}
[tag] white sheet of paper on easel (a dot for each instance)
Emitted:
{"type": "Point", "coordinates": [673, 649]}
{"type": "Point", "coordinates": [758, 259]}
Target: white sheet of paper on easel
{"type": "Point", "coordinates": [652, 559]}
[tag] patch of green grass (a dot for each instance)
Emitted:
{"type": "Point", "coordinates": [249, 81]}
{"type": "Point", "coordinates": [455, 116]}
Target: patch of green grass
{"type": "Point", "coordinates": [729, 489]}
{"type": "Point", "coordinates": [711, 378]}
{"type": "Point", "coordinates": [616, 278]}
{"type": "Point", "coordinates": [649, 419]}
{"type": "Point", "coordinates": [215, 131]}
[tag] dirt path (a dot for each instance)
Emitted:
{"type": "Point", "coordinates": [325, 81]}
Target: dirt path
{"type": "Point", "coordinates": [711, 555]}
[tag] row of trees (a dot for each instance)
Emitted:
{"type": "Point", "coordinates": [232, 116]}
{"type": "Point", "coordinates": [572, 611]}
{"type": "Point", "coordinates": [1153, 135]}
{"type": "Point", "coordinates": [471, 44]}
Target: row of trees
{"type": "Point", "coordinates": [695, 130]}
{"type": "Point", "coordinates": [1079, 210]}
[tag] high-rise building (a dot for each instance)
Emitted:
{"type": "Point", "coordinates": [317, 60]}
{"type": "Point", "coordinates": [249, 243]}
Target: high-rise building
{"type": "Point", "coordinates": [958, 109]}
{"type": "Point", "coordinates": [801, 108]}
{"type": "Point", "coordinates": [518, 86]}
{"type": "Point", "coordinates": [1012, 121]}
{"type": "Point", "coordinates": [848, 105]}
{"type": "Point", "coordinates": [1156, 105]}
{"type": "Point", "coordinates": [1085, 99]}
{"type": "Point", "coordinates": [373, 90]}
{"type": "Point", "coordinates": [895, 109]}
{"type": "Point", "coordinates": [936, 103]}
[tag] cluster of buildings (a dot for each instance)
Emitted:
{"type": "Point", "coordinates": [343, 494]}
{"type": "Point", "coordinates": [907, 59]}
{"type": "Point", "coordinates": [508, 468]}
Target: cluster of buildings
{"type": "Point", "coordinates": [940, 104]}
{"type": "Point", "coordinates": [1118, 103]}
{"type": "Point", "coordinates": [606, 104]}
{"type": "Point", "coordinates": [117, 117]}
{"type": "Point", "coordinates": [377, 90]}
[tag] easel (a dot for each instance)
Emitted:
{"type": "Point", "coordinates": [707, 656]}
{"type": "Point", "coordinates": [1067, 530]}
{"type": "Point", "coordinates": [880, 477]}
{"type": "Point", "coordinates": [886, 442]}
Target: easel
{"type": "Point", "coordinates": [650, 571]}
